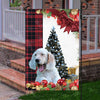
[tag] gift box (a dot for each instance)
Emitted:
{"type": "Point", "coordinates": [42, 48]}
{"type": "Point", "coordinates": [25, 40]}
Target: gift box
{"type": "Point", "coordinates": [74, 77]}
{"type": "Point", "coordinates": [72, 70]}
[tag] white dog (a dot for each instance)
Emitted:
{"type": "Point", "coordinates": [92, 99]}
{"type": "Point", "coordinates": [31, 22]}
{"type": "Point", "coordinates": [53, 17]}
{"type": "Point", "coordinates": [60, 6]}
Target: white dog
{"type": "Point", "coordinates": [45, 62]}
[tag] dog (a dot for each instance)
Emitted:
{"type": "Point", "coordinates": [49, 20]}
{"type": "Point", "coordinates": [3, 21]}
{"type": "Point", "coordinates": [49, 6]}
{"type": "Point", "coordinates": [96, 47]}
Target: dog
{"type": "Point", "coordinates": [45, 62]}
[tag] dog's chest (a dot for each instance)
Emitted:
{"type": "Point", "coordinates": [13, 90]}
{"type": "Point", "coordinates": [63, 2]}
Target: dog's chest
{"type": "Point", "coordinates": [47, 74]}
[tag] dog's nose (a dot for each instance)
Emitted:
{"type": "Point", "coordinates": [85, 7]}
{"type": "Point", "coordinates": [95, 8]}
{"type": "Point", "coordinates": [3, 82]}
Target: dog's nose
{"type": "Point", "coordinates": [37, 60]}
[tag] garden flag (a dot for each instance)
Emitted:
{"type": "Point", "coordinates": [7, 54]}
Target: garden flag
{"type": "Point", "coordinates": [52, 49]}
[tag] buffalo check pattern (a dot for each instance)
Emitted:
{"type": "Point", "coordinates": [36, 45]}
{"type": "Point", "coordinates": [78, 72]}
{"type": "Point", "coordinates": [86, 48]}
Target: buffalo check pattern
{"type": "Point", "coordinates": [34, 38]}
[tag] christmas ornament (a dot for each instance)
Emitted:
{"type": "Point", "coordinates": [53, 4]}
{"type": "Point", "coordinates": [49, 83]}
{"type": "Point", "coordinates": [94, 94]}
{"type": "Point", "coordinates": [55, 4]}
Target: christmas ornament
{"type": "Point", "coordinates": [44, 83]}
{"type": "Point", "coordinates": [71, 85]}
{"type": "Point", "coordinates": [74, 88]}
{"type": "Point", "coordinates": [37, 88]}
{"type": "Point", "coordinates": [47, 89]}
{"type": "Point", "coordinates": [64, 83]}
{"type": "Point", "coordinates": [38, 11]}
{"type": "Point", "coordinates": [28, 85]}
{"type": "Point", "coordinates": [36, 84]}
{"type": "Point", "coordinates": [69, 81]}
{"type": "Point", "coordinates": [74, 11]}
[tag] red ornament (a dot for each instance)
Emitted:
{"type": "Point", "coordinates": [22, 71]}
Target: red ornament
{"type": "Point", "coordinates": [64, 83]}
{"type": "Point", "coordinates": [71, 85]}
{"type": "Point", "coordinates": [64, 88]}
{"type": "Point", "coordinates": [60, 82]}
{"type": "Point", "coordinates": [44, 83]}
{"type": "Point", "coordinates": [72, 16]}
{"type": "Point", "coordinates": [77, 86]}
{"type": "Point", "coordinates": [53, 15]}
{"type": "Point", "coordinates": [76, 81]}
{"type": "Point", "coordinates": [53, 85]}
{"type": "Point", "coordinates": [47, 89]}
{"type": "Point", "coordinates": [47, 11]}
{"type": "Point", "coordinates": [36, 83]}
{"type": "Point", "coordinates": [33, 84]}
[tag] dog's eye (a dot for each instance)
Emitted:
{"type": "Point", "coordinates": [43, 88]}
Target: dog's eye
{"type": "Point", "coordinates": [35, 54]}
{"type": "Point", "coordinates": [42, 54]}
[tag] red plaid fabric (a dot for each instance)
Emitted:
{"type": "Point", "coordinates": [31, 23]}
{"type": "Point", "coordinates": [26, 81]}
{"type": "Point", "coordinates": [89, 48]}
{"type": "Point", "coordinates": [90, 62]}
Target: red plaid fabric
{"type": "Point", "coordinates": [34, 38]}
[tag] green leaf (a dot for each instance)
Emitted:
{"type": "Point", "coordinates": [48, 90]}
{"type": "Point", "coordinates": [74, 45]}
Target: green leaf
{"type": "Point", "coordinates": [49, 14]}
{"type": "Point", "coordinates": [49, 86]}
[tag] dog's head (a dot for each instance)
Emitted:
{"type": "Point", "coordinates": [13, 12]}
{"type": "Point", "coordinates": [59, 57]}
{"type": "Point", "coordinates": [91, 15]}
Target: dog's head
{"type": "Point", "coordinates": [42, 59]}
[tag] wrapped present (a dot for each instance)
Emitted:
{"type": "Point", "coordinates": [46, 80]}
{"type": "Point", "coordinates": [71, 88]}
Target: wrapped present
{"type": "Point", "coordinates": [74, 77]}
{"type": "Point", "coordinates": [71, 70]}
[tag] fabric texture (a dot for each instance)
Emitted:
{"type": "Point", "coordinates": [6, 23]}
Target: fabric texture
{"type": "Point", "coordinates": [34, 38]}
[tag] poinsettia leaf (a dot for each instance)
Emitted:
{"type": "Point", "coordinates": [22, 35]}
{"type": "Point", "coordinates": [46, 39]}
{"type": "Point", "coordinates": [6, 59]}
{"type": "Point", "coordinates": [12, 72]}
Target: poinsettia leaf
{"type": "Point", "coordinates": [67, 29]}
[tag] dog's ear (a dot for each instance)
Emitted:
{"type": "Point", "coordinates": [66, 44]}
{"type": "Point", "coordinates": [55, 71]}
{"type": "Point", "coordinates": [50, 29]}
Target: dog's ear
{"type": "Point", "coordinates": [32, 63]}
{"type": "Point", "coordinates": [51, 61]}
{"type": "Point", "coordinates": [50, 58]}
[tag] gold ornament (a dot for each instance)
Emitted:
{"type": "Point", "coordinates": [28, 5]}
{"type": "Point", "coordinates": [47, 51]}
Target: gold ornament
{"type": "Point", "coordinates": [69, 80]}
{"type": "Point", "coordinates": [38, 11]}
{"type": "Point", "coordinates": [37, 88]}
{"type": "Point", "coordinates": [74, 88]}
{"type": "Point", "coordinates": [33, 87]}
{"type": "Point", "coordinates": [40, 86]}
{"type": "Point", "coordinates": [74, 11]}
{"type": "Point", "coordinates": [28, 85]}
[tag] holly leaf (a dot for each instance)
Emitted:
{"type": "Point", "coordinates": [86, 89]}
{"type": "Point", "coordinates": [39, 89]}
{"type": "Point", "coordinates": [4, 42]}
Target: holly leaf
{"type": "Point", "coordinates": [49, 14]}
{"type": "Point", "coordinates": [43, 88]}
{"type": "Point", "coordinates": [49, 86]}
{"type": "Point", "coordinates": [52, 89]}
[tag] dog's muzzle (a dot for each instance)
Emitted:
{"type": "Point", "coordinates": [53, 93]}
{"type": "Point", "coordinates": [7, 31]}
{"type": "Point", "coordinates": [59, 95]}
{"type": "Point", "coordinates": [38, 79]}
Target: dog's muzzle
{"type": "Point", "coordinates": [41, 67]}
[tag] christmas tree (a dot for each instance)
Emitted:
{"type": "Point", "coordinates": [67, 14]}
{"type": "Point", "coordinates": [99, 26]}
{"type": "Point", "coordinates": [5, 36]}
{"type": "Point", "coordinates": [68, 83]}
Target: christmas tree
{"type": "Point", "coordinates": [54, 47]}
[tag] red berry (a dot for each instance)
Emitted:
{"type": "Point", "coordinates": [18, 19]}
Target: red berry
{"type": "Point", "coordinates": [48, 16]}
